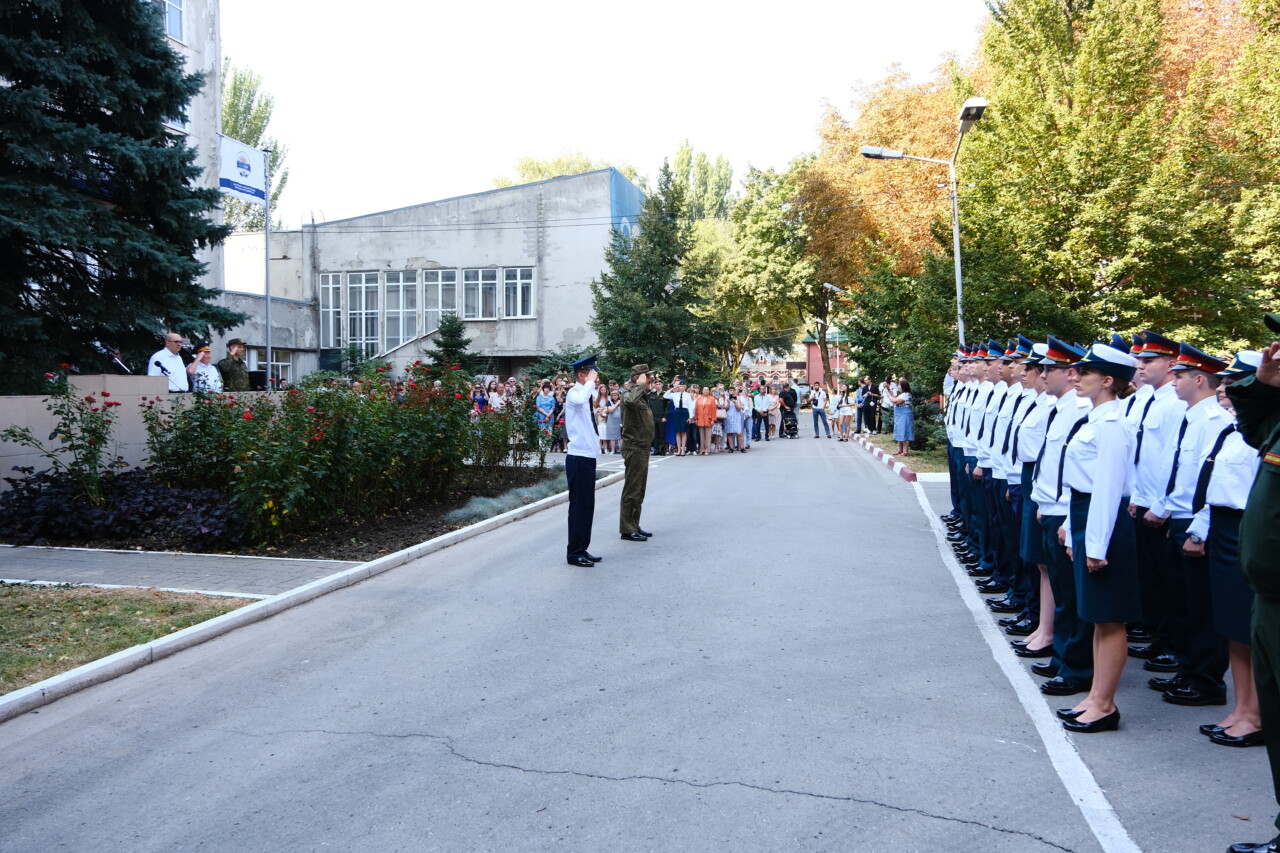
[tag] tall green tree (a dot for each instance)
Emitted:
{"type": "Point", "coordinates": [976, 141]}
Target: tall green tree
{"type": "Point", "coordinates": [246, 113]}
{"type": "Point", "coordinates": [530, 169]}
{"type": "Point", "coordinates": [101, 208]}
{"type": "Point", "coordinates": [451, 347]}
{"type": "Point", "coordinates": [647, 303]}
{"type": "Point", "coordinates": [706, 185]}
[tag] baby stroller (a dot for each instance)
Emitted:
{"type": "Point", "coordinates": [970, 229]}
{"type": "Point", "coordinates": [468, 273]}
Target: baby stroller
{"type": "Point", "coordinates": [790, 426]}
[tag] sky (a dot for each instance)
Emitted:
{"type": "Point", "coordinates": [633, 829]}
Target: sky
{"type": "Point", "coordinates": [415, 101]}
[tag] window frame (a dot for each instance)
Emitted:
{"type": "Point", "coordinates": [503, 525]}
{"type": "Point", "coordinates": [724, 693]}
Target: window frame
{"type": "Point", "coordinates": [401, 315]}
{"type": "Point", "coordinates": [485, 284]}
{"type": "Point", "coordinates": [523, 292]}
{"type": "Point", "coordinates": [331, 326]}
{"type": "Point", "coordinates": [362, 314]}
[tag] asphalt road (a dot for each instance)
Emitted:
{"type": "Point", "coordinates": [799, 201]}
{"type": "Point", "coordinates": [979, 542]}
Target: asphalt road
{"type": "Point", "coordinates": [788, 665]}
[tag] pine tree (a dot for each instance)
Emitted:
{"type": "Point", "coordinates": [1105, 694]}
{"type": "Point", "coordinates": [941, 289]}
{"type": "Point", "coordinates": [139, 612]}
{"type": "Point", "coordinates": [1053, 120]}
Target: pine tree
{"type": "Point", "coordinates": [451, 346]}
{"type": "Point", "coordinates": [101, 214]}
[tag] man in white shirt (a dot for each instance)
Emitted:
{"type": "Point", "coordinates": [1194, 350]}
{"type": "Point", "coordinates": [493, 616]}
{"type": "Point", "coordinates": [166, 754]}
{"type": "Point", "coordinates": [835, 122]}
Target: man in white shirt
{"type": "Point", "coordinates": [580, 461]}
{"type": "Point", "coordinates": [1155, 421]}
{"type": "Point", "coordinates": [1072, 636]}
{"type": "Point", "coordinates": [1200, 650]}
{"type": "Point", "coordinates": [818, 399]}
{"type": "Point", "coordinates": [167, 362]}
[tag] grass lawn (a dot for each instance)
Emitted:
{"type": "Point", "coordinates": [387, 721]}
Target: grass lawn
{"type": "Point", "coordinates": [920, 461]}
{"type": "Point", "coordinates": [45, 630]}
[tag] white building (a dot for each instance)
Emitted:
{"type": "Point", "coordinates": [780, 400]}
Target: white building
{"type": "Point", "coordinates": [514, 263]}
{"type": "Point", "coordinates": [195, 34]}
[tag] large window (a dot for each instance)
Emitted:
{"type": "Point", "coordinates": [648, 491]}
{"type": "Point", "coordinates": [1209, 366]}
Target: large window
{"type": "Point", "coordinates": [518, 290]}
{"type": "Point", "coordinates": [362, 311]}
{"type": "Point", "coordinates": [479, 294]}
{"type": "Point", "coordinates": [440, 298]}
{"type": "Point", "coordinates": [401, 319]}
{"type": "Point", "coordinates": [172, 12]}
{"type": "Point", "coordinates": [330, 309]}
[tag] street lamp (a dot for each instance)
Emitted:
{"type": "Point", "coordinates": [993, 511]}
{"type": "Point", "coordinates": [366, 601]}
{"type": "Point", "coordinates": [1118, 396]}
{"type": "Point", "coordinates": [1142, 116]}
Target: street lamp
{"type": "Point", "coordinates": [969, 115]}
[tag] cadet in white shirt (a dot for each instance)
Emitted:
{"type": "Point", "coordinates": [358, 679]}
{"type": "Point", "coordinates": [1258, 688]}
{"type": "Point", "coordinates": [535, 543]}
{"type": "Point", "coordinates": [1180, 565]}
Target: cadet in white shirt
{"type": "Point", "coordinates": [1223, 483]}
{"type": "Point", "coordinates": [1199, 649]}
{"type": "Point", "coordinates": [580, 461]}
{"type": "Point", "coordinates": [1098, 532]}
{"type": "Point", "coordinates": [1072, 637]}
{"type": "Point", "coordinates": [1156, 423]}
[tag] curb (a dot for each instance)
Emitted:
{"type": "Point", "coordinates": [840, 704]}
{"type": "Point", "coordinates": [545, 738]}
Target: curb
{"type": "Point", "coordinates": [127, 660]}
{"type": "Point", "coordinates": [894, 465]}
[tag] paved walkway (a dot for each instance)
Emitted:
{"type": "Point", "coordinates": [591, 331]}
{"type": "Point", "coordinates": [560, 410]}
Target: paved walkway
{"type": "Point", "coordinates": [259, 576]}
{"type": "Point", "coordinates": [817, 682]}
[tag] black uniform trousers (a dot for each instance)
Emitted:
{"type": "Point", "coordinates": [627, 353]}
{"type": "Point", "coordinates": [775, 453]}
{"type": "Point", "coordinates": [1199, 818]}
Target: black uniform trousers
{"type": "Point", "coordinates": [1072, 636]}
{"type": "Point", "coordinates": [1152, 543]}
{"type": "Point", "coordinates": [1201, 650]}
{"type": "Point", "coordinates": [580, 471]}
{"type": "Point", "coordinates": [955, 458]}
{"type": "Point", "coordinates": [1026, 577]}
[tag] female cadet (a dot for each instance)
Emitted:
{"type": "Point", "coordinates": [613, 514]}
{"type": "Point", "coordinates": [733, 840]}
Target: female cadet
{"type": "Point", "coordinates": [1098, 533]}
{"type": "Point", "coordinates": [1223, 486]}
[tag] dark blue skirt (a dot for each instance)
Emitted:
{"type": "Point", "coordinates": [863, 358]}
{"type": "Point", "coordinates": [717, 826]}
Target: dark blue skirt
{"type": "Point", "coordinates": [1031, 546]}
{"type": "Point", "coordinates": [1112, 593]}
{"type": "Point", "coordinates": [1232, 598]}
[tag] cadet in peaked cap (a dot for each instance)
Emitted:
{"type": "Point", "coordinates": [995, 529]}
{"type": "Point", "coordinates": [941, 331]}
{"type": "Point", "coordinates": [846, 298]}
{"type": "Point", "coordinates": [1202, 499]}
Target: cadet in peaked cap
{"type": "Point", "coordinates": [1155, 344]}
{"type": "Point", "coordinates": [1072, 637]}
{"type": "Point", "coordinates": [580, 461]}
{"type": "Point", "coordinates": [1190, 358]}
{"type": "Point", "coordinates": [1098, 530]}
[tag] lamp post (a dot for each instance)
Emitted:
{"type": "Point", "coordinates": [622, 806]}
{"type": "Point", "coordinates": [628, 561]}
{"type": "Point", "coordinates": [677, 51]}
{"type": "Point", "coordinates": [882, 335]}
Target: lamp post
{"type": "Point", "coordinates": [969, 115]}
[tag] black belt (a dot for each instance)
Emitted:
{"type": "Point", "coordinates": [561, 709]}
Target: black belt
{"type": "Point", "coordinates": [1076, 493]}
{"type": "Point", "coordinates": [1229, 510]}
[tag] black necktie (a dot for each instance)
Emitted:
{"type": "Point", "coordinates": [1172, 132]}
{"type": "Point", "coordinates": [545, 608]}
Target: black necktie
{"type": "Point", "coordinates": [982, 424]}
{"type": "Point", "coordinates": [1142, 426]}
{"type": "Point", "coordinates": [1004, 448]}
{"type": "Point", "coordinates": [1177, 451]}
{"type": "Point", "coordinates": [1044, 444]}
{"type": "Point", "coordinates": [1075, 428]}
{"type": "Point", "coordinates": [1206, 471]}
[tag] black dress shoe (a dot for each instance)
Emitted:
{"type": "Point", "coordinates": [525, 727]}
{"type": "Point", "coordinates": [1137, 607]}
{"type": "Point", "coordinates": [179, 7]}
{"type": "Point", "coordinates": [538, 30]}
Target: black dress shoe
{"type": "Point", "coordinates": [1003, 605]}
{"type": "Point", "coordinates": [1109, 723]}
{"type": "Point", "coordinates": [1210, 729]}
{"type": "Point", "coordinates": [1140, 635]}
{"type": "Point", "coordinates": [1006, 621]}
{"type": "Point", "coordinates": [1045, 669]}
{"type": "Point", "coordinates": [1025, 652]}
{"type": "Point", "coordinates": [1193, 696]}
{"type": "Point", "coordinates": [1162, 663]}
{"type": "Point", "coordinates": [975, 570]}
{"type": "Point", "coordinates": [581, 562]}
{"type": "Point", "coordinates": [593, 558]}
{"type": "Point", "coordinates": [1160, 685]}
{"type": "Point", "coordinates": [993, 587]}
{"type": "Point", "coordinates": [646, 534]}
{"type": "Point", "coordinates": [1067, 714]}
{"type": "Point", "coordinates": [1145, 652]}
{"type": "Point", "coordinates": [1251, 739]}
{"type": "Point", "coordinates": [1022, 628]}
{"type": "Point", "coordinates": [634, 537]}
{"type": "Point", "coordinates": [1061, 686]}
{"type": "Point", "coordinates": [1246, 847]}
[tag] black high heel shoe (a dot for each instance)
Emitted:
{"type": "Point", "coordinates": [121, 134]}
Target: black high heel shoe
{"type": "Point", "coordinates": [1109, 723]}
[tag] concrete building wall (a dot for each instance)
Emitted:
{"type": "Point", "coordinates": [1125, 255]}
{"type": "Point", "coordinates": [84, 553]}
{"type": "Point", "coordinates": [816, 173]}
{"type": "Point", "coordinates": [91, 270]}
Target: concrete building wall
{"type": "Point", "coordinates": [559, 229]}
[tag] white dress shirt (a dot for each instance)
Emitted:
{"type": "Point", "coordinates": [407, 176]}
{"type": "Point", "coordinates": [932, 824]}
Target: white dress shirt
{"type": "Point", "coordinates": [1097, 463]}
{"type": "Point", "coordinates": [1204, 421]}
{"type": "Point", "coordinates": [1158, 433]}
{"type": "Point", "coordinates": [207, 378]}
{"type": "Point", "coordinates": [171, 362]}
{"type": "Point", "coordinates": [1234, 470]}
{"type": "Point", "coordinates": [583, 440]}
{"type": "Point", "coordinates": [1007, 465]}
{"type": "Point", "coordinates": [1070, 407]}
{"type": "Point", "coordinates": [987, 431]}
{"type": "Point", "coordinates": [973, 416]}
{"type": "Point", "coordinates": [1028, 436]}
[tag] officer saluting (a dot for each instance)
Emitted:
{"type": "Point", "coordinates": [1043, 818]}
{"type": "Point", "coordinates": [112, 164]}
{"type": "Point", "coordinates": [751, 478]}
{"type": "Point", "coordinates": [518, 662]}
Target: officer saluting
{"type": "Point", "coordinates": [637, 435]}
{"type": "Point", "coordinates": [580, 461]}
{"type": "Point", "coordinates": [1257, 403]}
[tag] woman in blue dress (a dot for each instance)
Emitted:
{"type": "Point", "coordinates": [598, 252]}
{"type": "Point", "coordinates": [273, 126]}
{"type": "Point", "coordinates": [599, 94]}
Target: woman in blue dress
{"type": "Point", "coordinates": [904, 420]}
